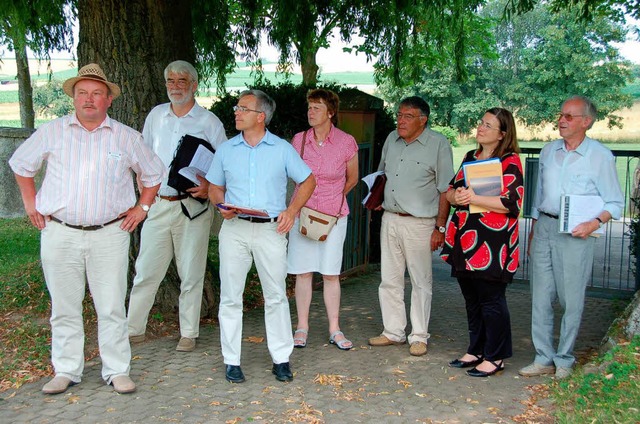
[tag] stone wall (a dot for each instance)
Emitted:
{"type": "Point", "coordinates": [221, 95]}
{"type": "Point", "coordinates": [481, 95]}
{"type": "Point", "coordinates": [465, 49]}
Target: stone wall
{"type": "Point", "coordinates": [10, 199]}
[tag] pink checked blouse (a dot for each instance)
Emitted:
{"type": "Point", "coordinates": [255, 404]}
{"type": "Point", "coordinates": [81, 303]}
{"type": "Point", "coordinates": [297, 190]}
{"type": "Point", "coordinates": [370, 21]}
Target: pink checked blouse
{"type": "Point", "coordinates": [329, 166]}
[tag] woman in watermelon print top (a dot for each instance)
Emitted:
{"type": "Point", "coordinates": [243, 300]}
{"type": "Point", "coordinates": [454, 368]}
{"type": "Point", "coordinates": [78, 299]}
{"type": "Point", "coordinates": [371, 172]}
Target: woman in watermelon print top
{"type": "Point", "coordinates": [482, 248]}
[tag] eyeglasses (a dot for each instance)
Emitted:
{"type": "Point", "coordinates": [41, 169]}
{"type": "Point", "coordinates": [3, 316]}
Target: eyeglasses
{"type": "Point", "coordinates": [407, 116]}
{"type": "Point", "coordinates": [182, 82]}
{"type": "Point", "coordinates": [569, 117]}
{"type": "Point", "coordinates": [482, 124]}
{"type": "Point", "coordinates": [243, 109]}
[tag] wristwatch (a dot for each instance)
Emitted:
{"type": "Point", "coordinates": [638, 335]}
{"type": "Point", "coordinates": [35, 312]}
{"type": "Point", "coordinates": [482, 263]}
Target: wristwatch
{"type": "Point", "coordinates": [145, 207]}
{"type": "Point", "coordinates": [440, 229]}
{"type": "Point", "coordinates": [600, 223]}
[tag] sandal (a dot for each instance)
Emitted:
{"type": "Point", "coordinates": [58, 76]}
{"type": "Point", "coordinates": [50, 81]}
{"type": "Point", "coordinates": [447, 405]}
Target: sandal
{"type": "Point", "coordinates": [299, 341]}
{"type": "Point", "coordinates": [343, 344]}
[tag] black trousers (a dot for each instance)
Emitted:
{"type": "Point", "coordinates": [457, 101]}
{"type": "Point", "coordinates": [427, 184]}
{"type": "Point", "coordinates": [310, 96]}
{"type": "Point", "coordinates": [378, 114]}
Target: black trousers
{"type": "Point", "coordinates": [488, 318]}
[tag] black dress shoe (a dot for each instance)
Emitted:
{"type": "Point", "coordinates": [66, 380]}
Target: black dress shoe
{"type": "Point", "coordinates": [234, 374]}
{"type": "Point", "coordinates": [475, 372]}
{"type": "Point", "coordinates": [457, 363]}
{"type": "Point", "coordinates": [282, 372]}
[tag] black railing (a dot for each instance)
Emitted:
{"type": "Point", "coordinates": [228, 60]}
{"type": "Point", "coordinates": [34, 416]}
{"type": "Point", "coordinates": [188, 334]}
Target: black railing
{"type": "Point", "coordinates": [613, 266]}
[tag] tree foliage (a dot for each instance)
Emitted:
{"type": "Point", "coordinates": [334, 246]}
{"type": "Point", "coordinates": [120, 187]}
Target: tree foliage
{"type": "Point", "coordinates": [528, 64]}
{"type": "Point", "coordinates": [51, 100]}
{"type": "Point", "coordinates": [41, 26]}
{"type": "Point", "coordinates": [299, 28]}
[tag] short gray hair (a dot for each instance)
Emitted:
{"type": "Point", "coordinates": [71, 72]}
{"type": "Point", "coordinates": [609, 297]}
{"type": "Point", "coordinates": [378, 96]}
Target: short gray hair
{"type": "Point", "coordinates": [589, 110]}
{"type": "Point", "coordinates": [265, 104]}
{"type": "Point", "coordinates": [181, 67]}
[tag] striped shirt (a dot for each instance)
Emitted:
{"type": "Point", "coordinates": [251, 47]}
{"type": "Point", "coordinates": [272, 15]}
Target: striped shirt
{"type": "Point", "coordinates": [329, 166]}
{"type": "Point", "coordinates": [88, 178]}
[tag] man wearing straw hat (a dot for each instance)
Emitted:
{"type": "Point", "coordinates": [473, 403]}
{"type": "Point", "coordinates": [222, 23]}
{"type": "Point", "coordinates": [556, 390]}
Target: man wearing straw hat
{"type": "Point", "coordinates": [85, 209]}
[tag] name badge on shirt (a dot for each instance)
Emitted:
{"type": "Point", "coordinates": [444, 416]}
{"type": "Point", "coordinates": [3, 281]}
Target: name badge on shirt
{"type": "Point", "coordinates": [115, 155]}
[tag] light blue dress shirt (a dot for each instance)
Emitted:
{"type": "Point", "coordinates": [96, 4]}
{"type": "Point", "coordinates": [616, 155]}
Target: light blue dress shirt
{"type": "Point", "coordinates": [588, 170]}
{"type": "Point", "coordinates": [256, 177]}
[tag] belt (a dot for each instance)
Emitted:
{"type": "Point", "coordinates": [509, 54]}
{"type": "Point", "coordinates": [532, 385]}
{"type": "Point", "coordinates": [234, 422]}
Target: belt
{"type": "Point", "coordinates": [257, 220]}
{"type": "Point", "coordinates": [84, 227]}
{"type": "Point", "coordinates": [174, 198]}
{"type": "Point", "coordinates": [401, 213]}
{"type": "Point", "coordinates": [549, 215]}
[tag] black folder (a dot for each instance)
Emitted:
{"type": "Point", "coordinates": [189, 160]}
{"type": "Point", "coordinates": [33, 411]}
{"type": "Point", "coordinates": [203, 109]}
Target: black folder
{"type": "Point", "coordinates": [184, 153]}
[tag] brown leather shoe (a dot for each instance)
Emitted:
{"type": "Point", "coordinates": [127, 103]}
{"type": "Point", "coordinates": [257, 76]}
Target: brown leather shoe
{"type": "Point", "coordinates": [418, 349]}
{"type": "Point", "coordinates": [186, 344]}
{"type": "Point", "coordinates": [383, 341]}
{"type": "Point", "coordinates": [123, 384]}
{"type": "Point", "coordinates": [57, 384]}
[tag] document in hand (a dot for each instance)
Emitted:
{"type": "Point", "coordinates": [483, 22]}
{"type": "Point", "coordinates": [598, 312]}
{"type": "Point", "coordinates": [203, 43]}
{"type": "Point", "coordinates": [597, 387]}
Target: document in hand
{"type": "Point", "coordinates": [376, 182]}
{"type": "Point", "coordinates": [576, 209]}
{"type": "Point", "coordinates": [241, 210]}
{"type": "Point", "coordinates": [185, 154]}
{"type": "Point", "coordinates": [485, 178]}
{"type": "Point", "coordinates": [199, 165]}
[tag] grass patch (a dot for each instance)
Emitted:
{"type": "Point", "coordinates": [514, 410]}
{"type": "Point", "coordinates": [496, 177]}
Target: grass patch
{"type": "Point", "coordinates": [610, 395]}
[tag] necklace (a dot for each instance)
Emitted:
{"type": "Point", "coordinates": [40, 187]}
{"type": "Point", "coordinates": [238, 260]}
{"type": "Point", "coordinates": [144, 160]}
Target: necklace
{"type": "Point", "coordinates": [320, 143]}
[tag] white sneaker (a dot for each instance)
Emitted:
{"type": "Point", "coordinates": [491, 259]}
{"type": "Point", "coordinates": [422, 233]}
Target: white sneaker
{"type": "Point", "coordinates": [535, 369]}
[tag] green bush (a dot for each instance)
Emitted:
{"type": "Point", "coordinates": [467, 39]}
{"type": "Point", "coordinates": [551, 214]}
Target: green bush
{"type": "Point", "coordinates": [290, 116]}
{"type": "Point", "coordinates": [50, 100]}
{"type": "Point", "coordinates": [450, 133]}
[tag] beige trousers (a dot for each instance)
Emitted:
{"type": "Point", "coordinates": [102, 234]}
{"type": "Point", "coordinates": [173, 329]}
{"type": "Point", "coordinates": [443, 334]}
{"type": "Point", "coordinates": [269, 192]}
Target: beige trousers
{"type": "Point", "coordinates": [405, 243]}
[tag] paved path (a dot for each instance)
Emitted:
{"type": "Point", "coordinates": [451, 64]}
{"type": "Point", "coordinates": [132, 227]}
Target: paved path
{"type": "Point", "coordinates": [362, 385]}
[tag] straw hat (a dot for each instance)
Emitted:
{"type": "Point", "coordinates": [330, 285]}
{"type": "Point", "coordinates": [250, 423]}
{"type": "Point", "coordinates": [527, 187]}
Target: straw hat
{"type": "Point", "coordinates": [93, 72]}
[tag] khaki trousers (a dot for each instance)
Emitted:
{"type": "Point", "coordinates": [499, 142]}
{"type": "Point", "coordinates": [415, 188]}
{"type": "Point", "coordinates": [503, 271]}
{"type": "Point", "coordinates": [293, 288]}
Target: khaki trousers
{"type": "Point", "coordinates": [168, 233]}
{"type": "Point", "coordinates": [405, 243]}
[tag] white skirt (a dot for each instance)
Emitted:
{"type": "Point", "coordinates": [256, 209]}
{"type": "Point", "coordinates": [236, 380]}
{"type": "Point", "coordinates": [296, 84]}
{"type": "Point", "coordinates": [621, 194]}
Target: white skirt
{"type": "Point", "coordinates": [306, 255]}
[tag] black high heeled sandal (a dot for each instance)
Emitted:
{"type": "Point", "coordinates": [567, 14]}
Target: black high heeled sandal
{"type": "Point", "coordinates": [475, 372]}
{"type": "Point", "coordinates": [457, 363]}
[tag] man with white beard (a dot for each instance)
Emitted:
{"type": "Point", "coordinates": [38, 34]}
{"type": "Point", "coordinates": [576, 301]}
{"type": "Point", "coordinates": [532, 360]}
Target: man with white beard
{"type": "Point", "coordinates": [168, 231]}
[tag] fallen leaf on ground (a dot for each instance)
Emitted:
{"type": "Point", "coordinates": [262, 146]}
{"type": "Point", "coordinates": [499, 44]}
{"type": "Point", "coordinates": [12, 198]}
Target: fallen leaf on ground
{"type": "Point", "coordinates": [254, 339]}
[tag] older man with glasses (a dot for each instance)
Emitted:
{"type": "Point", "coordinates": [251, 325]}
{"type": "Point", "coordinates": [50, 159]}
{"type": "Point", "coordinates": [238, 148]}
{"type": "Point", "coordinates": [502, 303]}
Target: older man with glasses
{"type": "Point", "coordinates": [418, 163]}
{"type": "Point", "coordinates": [251, 170]}
{"type": "Point", "coordinates": [561, 263]}
{"type": "Point", "coordinates": [178, 224]}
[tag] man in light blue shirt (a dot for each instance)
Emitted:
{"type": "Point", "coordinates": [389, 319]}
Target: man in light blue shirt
{"type": "Point", "coordinates": [251, 170]}
{"type": "Point", "coordinates": [562, 263]}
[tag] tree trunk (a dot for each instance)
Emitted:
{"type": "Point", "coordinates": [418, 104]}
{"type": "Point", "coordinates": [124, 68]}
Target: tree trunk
{"type": "Point", "coordinates": [308, 65]}
{"type": "Point", "coordinates": [133, 41]}
{"type": "Point", "coordinates": [25, 91]}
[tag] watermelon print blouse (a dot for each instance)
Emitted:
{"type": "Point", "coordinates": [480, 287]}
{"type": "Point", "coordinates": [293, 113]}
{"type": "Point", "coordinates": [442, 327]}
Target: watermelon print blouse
{"type": "Point", "coordinates": [485, 245]}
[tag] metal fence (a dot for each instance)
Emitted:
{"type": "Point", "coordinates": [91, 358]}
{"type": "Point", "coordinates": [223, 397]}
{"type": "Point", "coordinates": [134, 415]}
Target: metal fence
{"type": "Point", "coordinates": [613, 267]}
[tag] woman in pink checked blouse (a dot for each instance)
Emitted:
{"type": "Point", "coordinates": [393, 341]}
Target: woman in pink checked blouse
{"type": "Point", "coordinates": [332, 156]}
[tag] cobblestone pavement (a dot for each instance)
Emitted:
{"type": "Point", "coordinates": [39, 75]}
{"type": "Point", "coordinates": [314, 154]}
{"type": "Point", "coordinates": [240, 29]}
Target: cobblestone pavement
{"type": "Point", "coordinates": [366, 384]}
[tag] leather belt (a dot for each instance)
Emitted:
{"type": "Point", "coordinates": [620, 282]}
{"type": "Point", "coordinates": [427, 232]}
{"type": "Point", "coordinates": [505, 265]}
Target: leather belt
{"type": "Point", "coordinates": [401, 213]}
{"type": "Point", "coordinates": [174, 198]}
{"type": "Point", "coordinates": [84, 227]}
{"type": "Point", "coordinates": [257, 220]}
{"type": "Point", "coordinates": [549, 215]}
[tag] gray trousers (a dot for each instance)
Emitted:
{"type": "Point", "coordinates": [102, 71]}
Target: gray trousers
{"type": "Point", "coordinates": [561, 268]}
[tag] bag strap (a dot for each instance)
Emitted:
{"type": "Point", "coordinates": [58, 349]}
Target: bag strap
{"type": "Point", "coordinates": [304, 142]}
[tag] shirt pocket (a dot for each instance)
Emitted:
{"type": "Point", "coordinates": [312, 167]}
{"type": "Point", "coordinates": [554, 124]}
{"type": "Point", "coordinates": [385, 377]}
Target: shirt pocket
{"type": "Point", "coordinates": [581, 183]}
{"type": "Point", "coordinates": [117, 168]}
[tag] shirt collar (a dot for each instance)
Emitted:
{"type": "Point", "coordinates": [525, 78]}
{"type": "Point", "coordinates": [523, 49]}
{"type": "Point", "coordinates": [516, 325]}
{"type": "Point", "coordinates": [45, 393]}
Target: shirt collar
{"type": "Point", "coordinates": [107, 123]}
{"type": "Point", "coordinates": [309, 138]}
{"type": "Point", "coordinates": [268, 139]}
{"type": "Point", "coordinates": [422, 138]}
{"type": "Point", "coordinates": [581, 149]}
{"type": "Point", "coordinates": [193, 112]}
